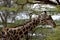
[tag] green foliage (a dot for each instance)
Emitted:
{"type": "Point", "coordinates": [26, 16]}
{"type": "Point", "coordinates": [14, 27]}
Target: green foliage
{"type": "Point", "coordinates": [21, 1]}
{"type": "Point", "coordinates": [12, 9]}
{"type": "Point", "coordinates": [30, 0]}
{"type": "Point", "coordinates": [52, 9]}
{"type": "Point", "coordinates": [42, 31]}
{"type": "Point", "coordinates": [10, 25]}
{"type": "Point", "coordinates": [17, 22]}
{"type": "Point", "coordinates": [55, 35]}
{"type": "Point", "coordinates": [58, 8]}
{"type": "Point", "coordinates": [37, 12]}
{"type": "Point", "coordinates": [51, 36]}
{"type": "Point", "coordinates": [9, 9]}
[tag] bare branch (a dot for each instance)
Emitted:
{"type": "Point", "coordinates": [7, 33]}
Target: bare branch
{"type": "Point", "coordinates": [2, 18]}
{"type": "Point", "coordinates": [47, 2]}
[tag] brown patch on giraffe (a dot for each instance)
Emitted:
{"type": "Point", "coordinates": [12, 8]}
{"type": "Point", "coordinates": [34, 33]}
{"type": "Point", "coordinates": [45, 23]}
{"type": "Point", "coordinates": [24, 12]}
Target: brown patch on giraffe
{"type": "Point", "coordinates": [14, 32]}
{"type": "Point", "coordinates": [11, 38]}
{"type": "Point", "coordinates": [11, 31]}
{"type": "Point", "coordinates": [8, 34]}
{"type": "Point", "coordinates": [24, 29]}
{"type": "Point", "coordinates": [21, 36]}
{"type": "Point", "coordinates": [25, 32]}
{"type": "Point", "coordinates": [4, 39]}
{"type": "Point", "coordinates": [20, 32]}
{"type": "Point", "coordinates": [16, 36]}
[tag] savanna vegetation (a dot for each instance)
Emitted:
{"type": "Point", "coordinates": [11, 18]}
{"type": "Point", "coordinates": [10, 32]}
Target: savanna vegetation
{"type": "Point", "coordinates": [17, 6]}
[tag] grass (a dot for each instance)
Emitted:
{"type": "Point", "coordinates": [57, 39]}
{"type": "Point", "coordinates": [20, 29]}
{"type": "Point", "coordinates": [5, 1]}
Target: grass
{"type": "Point", "coordinates": [55, 35]}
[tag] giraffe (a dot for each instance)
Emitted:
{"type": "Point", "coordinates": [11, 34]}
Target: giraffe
{"type": "Point", "coordinates": [21, 31]}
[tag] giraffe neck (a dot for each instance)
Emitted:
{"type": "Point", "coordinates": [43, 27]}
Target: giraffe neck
{"type": "Point", "coordinates": [21, 31]}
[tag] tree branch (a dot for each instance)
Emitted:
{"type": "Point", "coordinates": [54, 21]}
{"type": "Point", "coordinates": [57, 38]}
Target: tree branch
{"type": "Point", "coordinates": [40, 2]}
{"type": "Point", "coordinates": [2, 18]}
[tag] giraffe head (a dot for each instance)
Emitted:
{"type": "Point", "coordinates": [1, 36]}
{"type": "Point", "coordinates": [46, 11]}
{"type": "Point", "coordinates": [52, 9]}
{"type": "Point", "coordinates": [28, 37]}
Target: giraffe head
{"type": "Point", "coordinates": [46, 20]}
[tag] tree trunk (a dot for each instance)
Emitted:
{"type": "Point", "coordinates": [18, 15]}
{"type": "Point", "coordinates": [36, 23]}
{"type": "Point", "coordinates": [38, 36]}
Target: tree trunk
{"type": "Point", "coordinates": [58, 2]}
{"type": "Point", "coordinates": [14, 15]}
{"type": "Point", "coordinates": [7, 3]}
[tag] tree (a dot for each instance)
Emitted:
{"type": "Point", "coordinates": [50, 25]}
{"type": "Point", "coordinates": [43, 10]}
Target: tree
{"type": "Point", "coordinates": [5, 12]}
{"type": "Point", "coordinates": [58, 8]}
{"type": "Point", "coordinates": [6, 9]}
